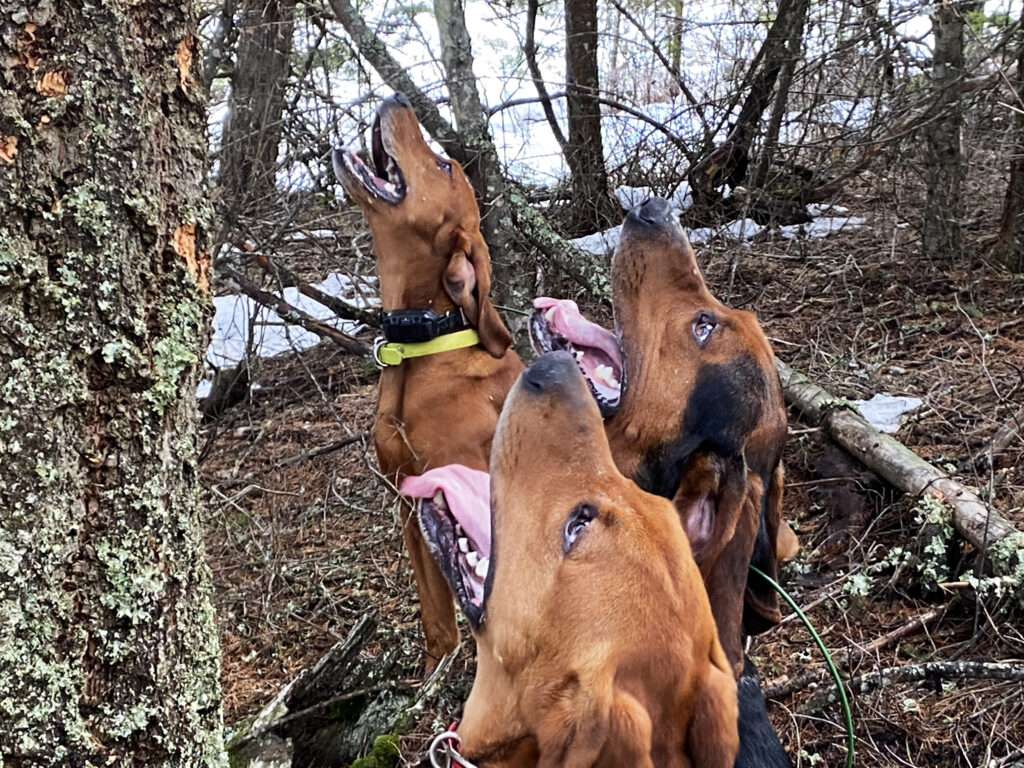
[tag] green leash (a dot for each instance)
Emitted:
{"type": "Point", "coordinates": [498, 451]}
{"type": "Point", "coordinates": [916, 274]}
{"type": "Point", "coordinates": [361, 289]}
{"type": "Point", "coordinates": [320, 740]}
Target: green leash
{"type": "Point", "coordinates": [847, 716]}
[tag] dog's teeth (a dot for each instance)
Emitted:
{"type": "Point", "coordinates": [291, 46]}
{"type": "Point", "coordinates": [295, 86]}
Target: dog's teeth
{"type": "Point", "coordinates": [463, 545]}
{"type": "Point", "coordinates": [472, 558]}
{"type": "Point", "coordinates": [550, 315]}
{"type": "Point", "coordinates": [438, 498]}
{"type": "Point", "coordinates": [579, 355]}
{"type": "Point", "coordinates": [481, 567]}
{"type": "Point", "coordinates": [458, 529]}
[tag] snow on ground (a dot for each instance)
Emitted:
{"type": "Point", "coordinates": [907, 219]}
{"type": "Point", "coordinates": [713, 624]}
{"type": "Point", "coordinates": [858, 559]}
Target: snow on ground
{"type": "Point", "coordinates": [239, 321]}
{"type": "Point", "coordinates": [885, 412]}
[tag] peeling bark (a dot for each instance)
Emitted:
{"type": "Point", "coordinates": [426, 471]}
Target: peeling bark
{"type": "Point", "coordinates": [110, 652]}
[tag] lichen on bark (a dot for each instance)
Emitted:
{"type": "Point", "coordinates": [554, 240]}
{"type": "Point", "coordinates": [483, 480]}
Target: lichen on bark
{"type": "Point", "coordinates": [110, 651]}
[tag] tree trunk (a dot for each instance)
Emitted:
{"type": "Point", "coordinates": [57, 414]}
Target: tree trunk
{"type": "Point", "coordinates": [943, 172]}
{"type": "Point", "coordinates": [728, 163]}
{"type": "Point", "coordinates": [484, 168]}
{"type": "Point", "coordinates": [109, 654]}
{"type": "Point", "coordinates": [252, 132]}
{"type": "Point", "coordinates": [1009, 247]}
{"type": "Point", "coordinates": [592, 207]}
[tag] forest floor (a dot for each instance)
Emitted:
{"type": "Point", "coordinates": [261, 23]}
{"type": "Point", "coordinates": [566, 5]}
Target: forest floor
{"type": "Point", "coordinates": [299, 552]}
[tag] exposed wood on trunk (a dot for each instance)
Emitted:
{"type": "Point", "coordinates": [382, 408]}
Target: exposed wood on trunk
{"type": "Point", "coordinates": [978, 523]}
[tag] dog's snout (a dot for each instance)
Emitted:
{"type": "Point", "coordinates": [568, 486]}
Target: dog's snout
{"type": "Point", "coordinates": [653, 212]}
{"type": "Point", "coordinates": [553, 370]}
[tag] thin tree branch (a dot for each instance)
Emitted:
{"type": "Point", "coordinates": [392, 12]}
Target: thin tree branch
{"type": "Point", "coordinates": [530, 51]}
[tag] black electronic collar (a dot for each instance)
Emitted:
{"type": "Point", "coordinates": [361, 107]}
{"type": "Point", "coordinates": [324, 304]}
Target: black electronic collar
{"type": "Point", "coordinates": [412, 326]}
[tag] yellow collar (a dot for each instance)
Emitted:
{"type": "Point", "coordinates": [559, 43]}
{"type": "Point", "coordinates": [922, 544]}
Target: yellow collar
{"type": "Point", "coordinates": [393, 353]}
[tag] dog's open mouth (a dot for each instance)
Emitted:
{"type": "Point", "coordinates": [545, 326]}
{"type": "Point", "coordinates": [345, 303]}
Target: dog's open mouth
{"type": "Point", "coordinates": [453, 506]}
{"type": "Point", "coordinates": [385, 181]}
{"type": "Point", "coordinates": [557, 324]}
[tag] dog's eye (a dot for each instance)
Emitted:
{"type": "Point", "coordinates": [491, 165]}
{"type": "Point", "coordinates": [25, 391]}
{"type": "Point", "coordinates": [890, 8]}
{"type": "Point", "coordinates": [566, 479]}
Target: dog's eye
{"type": "Point", "coordinates": [703, 326]}
{"type": "Point", "coordinates": [578, 520]}
{"type": "Point", "coordinates": [444, 165]}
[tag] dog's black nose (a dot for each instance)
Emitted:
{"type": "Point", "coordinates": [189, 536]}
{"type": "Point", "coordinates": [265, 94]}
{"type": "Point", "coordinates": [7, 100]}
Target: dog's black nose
{"type": "Point", "coordinates": [654, 212]}
{"type": "Point", "coordinates": [550, 371]}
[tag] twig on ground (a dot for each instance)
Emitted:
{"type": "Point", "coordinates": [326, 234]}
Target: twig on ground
{"type": "Point", "coordinates": [320, 450]}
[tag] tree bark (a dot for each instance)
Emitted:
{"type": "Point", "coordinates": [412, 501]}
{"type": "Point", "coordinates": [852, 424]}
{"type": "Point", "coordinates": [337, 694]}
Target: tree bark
{"type": "Point", "coordinates": [940, 231]}
{"type": "Point", "coordinates": [592, 207]}
{"type": "Point", "coordinates": [1009, 247]}
{"type": "Point", "coordinates": [110, 652]}
{"type": "Point", "coordinates": [252, 132]}
{"type": "Point", "coordinates": [484, 168]}
{"type": "Point", "coordinates": [728, 163]}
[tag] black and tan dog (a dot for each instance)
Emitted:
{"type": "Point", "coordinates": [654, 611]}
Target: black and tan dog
{"type": "Point", "coordinates": [595, 639]}
{"type": "Point", "coordinates": [694, 412]}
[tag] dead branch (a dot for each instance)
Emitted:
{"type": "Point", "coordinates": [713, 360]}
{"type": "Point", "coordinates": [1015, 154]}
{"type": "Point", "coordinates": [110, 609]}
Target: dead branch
{"type": "Point", "coordinates": [978, 523]}
{"type": "Point", "coordinates": [848, 657]}
{"type": "Point", "coordinates": [933, 671]}
{"type": "Point", "coordinates": [530, 52]}
{"type": "Point", "coordinates": [320, 450]}
{"type": "Point", "coordinates": [293, 314]}
{"type": "Point", "coordinates": [1012, 429]}
{"type": "Point", "coordinates": [340, 308]}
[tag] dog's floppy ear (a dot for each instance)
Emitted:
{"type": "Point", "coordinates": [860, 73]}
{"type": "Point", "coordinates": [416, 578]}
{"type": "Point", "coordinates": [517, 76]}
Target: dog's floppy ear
{"type": "Point", "coordinates": [467, 280]}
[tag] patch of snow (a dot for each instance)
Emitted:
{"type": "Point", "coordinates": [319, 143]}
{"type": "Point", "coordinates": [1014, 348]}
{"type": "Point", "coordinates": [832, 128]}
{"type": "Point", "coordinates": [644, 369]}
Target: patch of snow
{"type": "Point", "coordinates": [599, 243]}
{"type": "Point", "coordinates": [884, 412]}
{"type": "Point", "coordinates": [821, 209]}
{"type": "Point", "coordinates": [741, 229]}
{"type": "Point", "coordinates": [821, 227]}
{"type": "Point", "coordinates": [700, 235]}
{"type": "Point", "coordinates": [237, 317]}
{"type": "Point", "coordinates": [682, 198]}
{"type": "Point", "coordinates": [630, 197]}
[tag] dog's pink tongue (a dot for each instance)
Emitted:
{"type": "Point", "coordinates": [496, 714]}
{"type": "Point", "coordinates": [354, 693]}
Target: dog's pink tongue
{"type": "Point", "coordinates": [564, 317]}
{"type": "Point", "coordinates": [468, 494]}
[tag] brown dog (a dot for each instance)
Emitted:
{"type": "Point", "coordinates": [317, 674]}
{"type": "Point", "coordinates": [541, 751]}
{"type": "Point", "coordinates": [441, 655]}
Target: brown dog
{"type": "Point", "coordinates": [441, 408]}
{"type": "Point", "coordinates": [595, 640]}
{"type": "Point", "coordinates": [694, 412]}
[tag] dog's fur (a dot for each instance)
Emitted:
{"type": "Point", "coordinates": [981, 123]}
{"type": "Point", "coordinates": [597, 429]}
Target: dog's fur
{"type": "Point", "coordinates": [440, 409]}
{"type": "Point", "coordinates": [701, 419]}
{"type": "Point", "coordinates": [597, 646]}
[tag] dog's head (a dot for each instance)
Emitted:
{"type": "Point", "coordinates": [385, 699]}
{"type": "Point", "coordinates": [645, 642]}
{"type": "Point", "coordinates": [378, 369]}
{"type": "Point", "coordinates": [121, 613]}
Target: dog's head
{"type": "Point", "coordinates": [701, 418]}
{"type": "Point", "coordinates": [593, 619]}
{"type": "Point", "coordinates": [425, 223]}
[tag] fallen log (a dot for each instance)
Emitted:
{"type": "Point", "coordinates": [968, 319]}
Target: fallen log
{"type": "Point", "coordinates": [983, 527]}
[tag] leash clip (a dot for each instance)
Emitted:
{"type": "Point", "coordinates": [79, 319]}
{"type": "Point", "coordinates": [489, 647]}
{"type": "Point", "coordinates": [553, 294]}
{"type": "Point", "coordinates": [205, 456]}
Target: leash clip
{"type": "Point", "coordinates": [444, 753]}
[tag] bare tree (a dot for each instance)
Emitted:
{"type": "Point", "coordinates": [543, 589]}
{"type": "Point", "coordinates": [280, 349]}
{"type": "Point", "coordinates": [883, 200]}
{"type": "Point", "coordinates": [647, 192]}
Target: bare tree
{"type": "Point", "coordinates": [1009, 247]}
{"type": "Point", "coordinates": [252, 132]}
{"type": "Point", "coordinates": [943, 162]}
{"type": "Point", "coordinates": [591, 207]}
